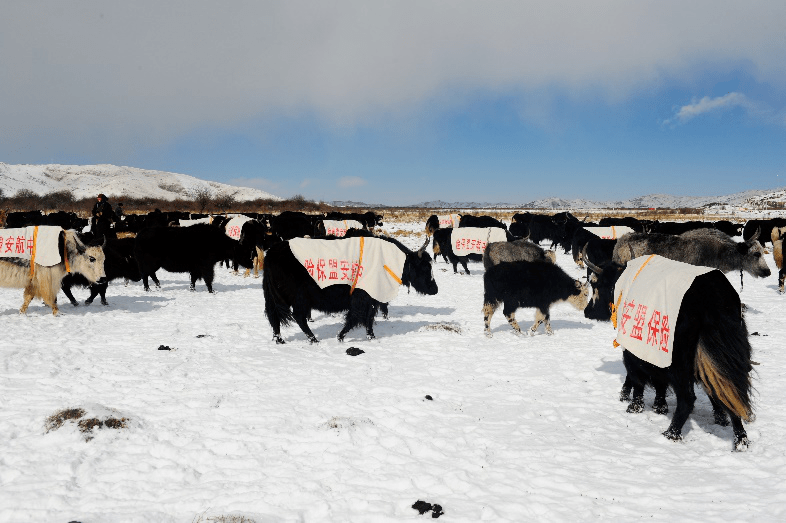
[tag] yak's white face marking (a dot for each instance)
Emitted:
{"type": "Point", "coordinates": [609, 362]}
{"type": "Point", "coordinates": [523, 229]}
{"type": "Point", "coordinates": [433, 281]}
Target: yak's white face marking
{"type": "Point", "coordinates": [89, 264]}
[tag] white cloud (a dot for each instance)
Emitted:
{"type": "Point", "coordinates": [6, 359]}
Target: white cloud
{"type": "Point", "coordinates": [351, 181]}
{"type": "Point", "coordinates": [166, 69]}
{"type": "Point", "coordinates": [707, 104]}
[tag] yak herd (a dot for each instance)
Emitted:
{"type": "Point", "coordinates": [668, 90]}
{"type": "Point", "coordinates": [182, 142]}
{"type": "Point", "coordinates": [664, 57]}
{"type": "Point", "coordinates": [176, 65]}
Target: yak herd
{"type": "Point", "coordinates": [710, 340]}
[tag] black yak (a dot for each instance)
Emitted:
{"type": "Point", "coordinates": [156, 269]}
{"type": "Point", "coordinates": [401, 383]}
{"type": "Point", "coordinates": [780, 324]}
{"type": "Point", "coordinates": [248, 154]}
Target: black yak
{"type": "Point", "coordinates": [710, 346]}
{"type": "Point", "coordinates": [119, 262]}
{"type": "Point", "coordinates": [195, 250]}
{"type": "Point", "coordinates": [291, 293]}
{"type": "Point", "coordinates": [529, 284]}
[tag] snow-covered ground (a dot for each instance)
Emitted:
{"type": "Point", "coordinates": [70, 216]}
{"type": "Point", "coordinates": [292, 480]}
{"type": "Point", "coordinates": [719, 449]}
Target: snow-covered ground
{"type": "Point", "coordinates": [229, 424]}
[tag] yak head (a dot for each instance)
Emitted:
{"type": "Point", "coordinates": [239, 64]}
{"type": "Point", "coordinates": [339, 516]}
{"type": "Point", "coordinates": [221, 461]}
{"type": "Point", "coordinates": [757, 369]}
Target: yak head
{"type": "Point", "coordinates": [602, 280]}
{"type": "Point", "coordinates": [85, 259]}
{"type": "Point", "coordinates": [418, 272]}
{"type": "Point", "coordinates": [753, 256]}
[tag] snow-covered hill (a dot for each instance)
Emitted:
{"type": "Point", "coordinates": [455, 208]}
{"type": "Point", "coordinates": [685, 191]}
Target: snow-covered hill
{"type": "Point", "coordinates": [88, 180]}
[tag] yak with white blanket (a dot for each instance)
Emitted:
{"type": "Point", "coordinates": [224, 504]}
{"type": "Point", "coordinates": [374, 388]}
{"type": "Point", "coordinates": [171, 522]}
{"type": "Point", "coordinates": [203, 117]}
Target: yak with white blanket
{"type": "Point", "coordinates": [37, 259]}
{"type": "Point", "coordinates": [707, 341]}
{"type": "Point", "coordinates": [355, 275]}
{"type": "Point", "coordinates": [466, 243]}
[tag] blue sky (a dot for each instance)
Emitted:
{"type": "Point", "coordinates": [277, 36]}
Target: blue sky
{"type": "Point", "coordinates": [404, 102]}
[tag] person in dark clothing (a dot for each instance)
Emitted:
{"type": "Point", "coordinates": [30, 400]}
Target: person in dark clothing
{"type": "Point", "coordinates": [103, 216]}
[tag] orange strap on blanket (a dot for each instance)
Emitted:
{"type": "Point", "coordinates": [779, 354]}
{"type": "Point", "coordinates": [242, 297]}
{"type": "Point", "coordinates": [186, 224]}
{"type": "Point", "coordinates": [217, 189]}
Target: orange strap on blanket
{"type": "Point", "coordinates": [392, 274]}
{"type": "Point", "coordinates": [32, 255]}
{"type": "Point", "coordinates": [360, 264]}
{"type": "Point", "coordinates": [614, 307]}
{"type": "Point", "coordinates": [65, 254]}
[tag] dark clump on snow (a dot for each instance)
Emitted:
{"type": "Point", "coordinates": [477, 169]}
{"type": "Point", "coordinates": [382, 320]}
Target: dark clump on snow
{"type": "Point", "coordinates": [164, 347]}
{"type": "Point", "coordinates": [428, 397]}
{"type": "Point", "coordinates": [86, 425]}
{"type": "Point", "coordinates": [422, 507]}
{"type": "Point", "coordinates": [354, 351]}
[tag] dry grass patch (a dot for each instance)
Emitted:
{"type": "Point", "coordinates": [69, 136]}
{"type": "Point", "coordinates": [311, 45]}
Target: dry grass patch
{"type": "Point", "coordinates": [222, 519]}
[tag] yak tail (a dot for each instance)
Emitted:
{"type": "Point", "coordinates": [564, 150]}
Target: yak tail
{"type": "Point", "coordinates": [723, 366]}
{"type": "Point", "coordinates": [275, 306]}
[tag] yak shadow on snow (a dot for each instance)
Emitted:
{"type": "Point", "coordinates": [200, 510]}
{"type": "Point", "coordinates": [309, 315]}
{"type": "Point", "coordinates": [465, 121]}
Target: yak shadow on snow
{"type": "Point", "coordinates": [413, 310]}
{"type": "Point", "coordinates": [525, 322]}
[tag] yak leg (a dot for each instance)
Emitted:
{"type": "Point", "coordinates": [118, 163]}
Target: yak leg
{"type": "Point", "coordinates": [361, 312]}
{"type": "Point", "coordinates": [719, 412]}
{"type": "Point", "coordinates": [464, 264]}
{"type": "Point", "coordinates": [455, 266]}
{"type": "Point", "coordinates": [509, 310]}
{"type": "Point", "coordinates": [781, 277]}
{"type": "Point", "coordinates": [155, 280]}
{"type": "Point", "coordinates": [686, 397]}
{"type": "Point", "coordinates": [659, 405]}
{"type": "Point", "coordinates": [636, 405]}
{"type": "Point", "coordinates": [540, 317]}
{"type": "Point", "coordinates": [740, 436]}
{"type": "Point", "coordinates": [28, 297]}
{"type": "Point", "coordinates": [626, 388]}
{"type": "Point", "coordinates": [67, 291]}
{"type": "Point", "coordinates": [301, 311]}
{"type": "Point", "coordinates": [208, 274]}
{"type": "Point", "coordinates": [488, 312]}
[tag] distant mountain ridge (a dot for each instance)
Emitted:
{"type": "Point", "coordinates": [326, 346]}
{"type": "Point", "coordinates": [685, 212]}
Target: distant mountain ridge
{"type": "Point", "coordinates": [116, 182]}
{"type": "Point", "coordinates": [752, 198]}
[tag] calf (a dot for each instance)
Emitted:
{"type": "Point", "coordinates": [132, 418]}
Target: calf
{"type": "Point", "coordinates": [529, 284]}
{"type": "Point", "coordinates": [119, 262]}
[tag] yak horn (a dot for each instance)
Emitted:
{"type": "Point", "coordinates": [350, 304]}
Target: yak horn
{"type": "Point", "coordinates": [594, 268]}
{"type": "Point", "coordinates": [754, 237]}
{"type": "Point", "coordinates": [420, 251]}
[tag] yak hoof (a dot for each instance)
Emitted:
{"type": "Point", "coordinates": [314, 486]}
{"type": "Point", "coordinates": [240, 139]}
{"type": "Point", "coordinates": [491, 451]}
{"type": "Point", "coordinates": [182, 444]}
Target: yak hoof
{"type": "Point", "coordinates": [741, 443]}
{"type": "Point", "coordinates": [279, 340]}
{"type": "Point", "coordinates": [370, 337]}
{"type": "Point", "coordinates": [76, 303]}
{"type": "Point", "coordinates": [636, 406]}
{"type": "Point", "coordinates": [313, 339]}
{"type": "Point", "coordinates": [625, 394]}
{"type": "Point", "coordinates": [673, 434]}
{"type": "Point", "coordinates": [488, 334]}
{"type": "Point", "coordinates": [104, 302]}
{"type": "Point", "coordinates": [660, 409]}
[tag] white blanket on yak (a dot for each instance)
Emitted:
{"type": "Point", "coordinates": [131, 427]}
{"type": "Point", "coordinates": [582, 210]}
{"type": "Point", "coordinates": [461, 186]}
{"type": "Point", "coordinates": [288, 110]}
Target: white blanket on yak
{"type": "Point", "coordinates": [234, 226]}
{"type": "Point", "coordinates": [340, 227]}
{"type": "Point", "coordinates": [647, 300]}
{"type": "Point", "coordinates": [473, 240]}
{"type": "Point", "coordinates": [26, 244]}
{"type": "Point", "coordinates": [448, 220]}
{"type": "Point", "coordinates": [609, 233]}
{"type": "Point", "coordinates": [189, 223]}
{"type": "Point", "coordinates": [376, 265]}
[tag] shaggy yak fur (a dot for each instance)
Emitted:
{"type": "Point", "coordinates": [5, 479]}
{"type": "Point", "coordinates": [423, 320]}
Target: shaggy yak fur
{"type": "Point", "coordinates": [710, 347]}
{"type": "Point", "coordinates": [707, 247]}
{"type": "Point", "coordinates": [529, 284]}
{"type": "Point", "coordinates": [777, 253]}
{"type": "Point", "coordinates": [45, 282]}
{"type": "Point", "coordinates": [291, 293]}
{"type": "Point", "coordinates": [195, 250]}
{"type": "Point", "coordinates": [119, 263]}
{"type": "Point", "coordinates": [518, 250]}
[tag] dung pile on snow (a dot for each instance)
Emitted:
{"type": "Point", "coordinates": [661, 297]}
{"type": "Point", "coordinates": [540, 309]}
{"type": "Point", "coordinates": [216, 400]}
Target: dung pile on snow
{"type": "Point", "coordinates": [87, 421]}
